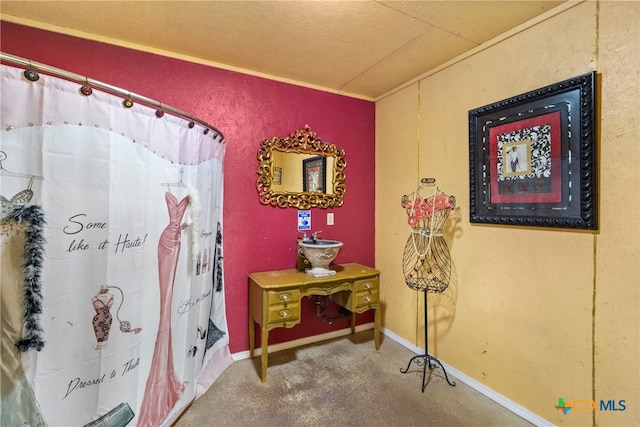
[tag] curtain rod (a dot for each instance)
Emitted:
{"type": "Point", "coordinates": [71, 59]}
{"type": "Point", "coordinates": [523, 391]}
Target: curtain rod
{"type": "Point", "coordinates": [67, 75]}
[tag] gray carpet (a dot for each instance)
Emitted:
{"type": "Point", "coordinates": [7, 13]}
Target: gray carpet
{"type": "Point", "coordinates": [342, 382]}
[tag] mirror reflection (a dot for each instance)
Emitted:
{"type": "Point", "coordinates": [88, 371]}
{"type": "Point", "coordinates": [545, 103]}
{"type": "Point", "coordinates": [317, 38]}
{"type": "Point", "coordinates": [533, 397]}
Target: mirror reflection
{"type": "Point", "coordinates": [301, 171]}
{"type": "Point", "coordinates": [297, 173]}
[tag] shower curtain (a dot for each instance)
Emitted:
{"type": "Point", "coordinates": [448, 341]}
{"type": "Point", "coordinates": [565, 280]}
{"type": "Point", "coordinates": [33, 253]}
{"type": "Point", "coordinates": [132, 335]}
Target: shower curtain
{"type": "Point", "coordinates": [112, 299]}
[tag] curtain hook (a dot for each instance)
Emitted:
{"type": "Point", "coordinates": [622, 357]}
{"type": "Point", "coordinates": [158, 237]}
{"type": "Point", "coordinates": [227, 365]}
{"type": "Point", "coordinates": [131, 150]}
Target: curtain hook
{"type": "Point", "coordinates": [160, 111]}
{"type": "Point", "coordinates": [127, 103]}
{"type": "Point", "coordinates": [31, 74]}
{"type": "Point", "coordinates": [86, 90]}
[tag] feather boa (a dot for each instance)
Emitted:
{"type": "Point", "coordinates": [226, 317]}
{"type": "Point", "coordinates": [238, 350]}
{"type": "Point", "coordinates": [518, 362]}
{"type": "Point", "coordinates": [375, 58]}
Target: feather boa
{"type": "Point", "coordinates": [33, 217]}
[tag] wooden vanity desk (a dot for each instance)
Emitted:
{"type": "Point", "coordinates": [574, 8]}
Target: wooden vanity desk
{"type": "Point", "coordinates": [275, 298]}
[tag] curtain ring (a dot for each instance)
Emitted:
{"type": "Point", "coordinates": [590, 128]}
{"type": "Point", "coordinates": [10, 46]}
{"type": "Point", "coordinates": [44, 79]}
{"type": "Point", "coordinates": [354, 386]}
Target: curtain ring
{"type": "Point", "coordinates": [160, 111]}
{"type": "Point", "coordinates": [127, 103]}
{"type": "Point", "coordinates": [31, 74]}
{"type": "Point", "coordinates": [86, 90]}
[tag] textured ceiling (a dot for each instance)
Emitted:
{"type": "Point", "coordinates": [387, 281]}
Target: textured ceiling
{"type": "Point", "coordinates": [361, 48]}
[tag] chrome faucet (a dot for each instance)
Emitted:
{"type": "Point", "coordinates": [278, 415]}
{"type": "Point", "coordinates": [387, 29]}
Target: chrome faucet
{"type": "Point", "coordinates": [312, 238]}
{"type": "Point", "coordinates": [304, 236]}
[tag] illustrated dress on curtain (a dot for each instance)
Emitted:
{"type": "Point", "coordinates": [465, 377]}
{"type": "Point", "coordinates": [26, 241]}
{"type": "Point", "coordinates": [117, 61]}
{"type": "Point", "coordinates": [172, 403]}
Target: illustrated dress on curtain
{"type": "Point", "coordinates": [21, 258]}
{"type": "Point", "coordinates": [163, 389]}
{"type": "Point", "coordinates": [103, 319]}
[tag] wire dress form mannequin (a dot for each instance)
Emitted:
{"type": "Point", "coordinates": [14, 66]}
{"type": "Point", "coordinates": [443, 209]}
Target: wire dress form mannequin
{"type": "Point", "coordinates": [426, 262]}
{"type": "Point", "coordinates": [163, 389]}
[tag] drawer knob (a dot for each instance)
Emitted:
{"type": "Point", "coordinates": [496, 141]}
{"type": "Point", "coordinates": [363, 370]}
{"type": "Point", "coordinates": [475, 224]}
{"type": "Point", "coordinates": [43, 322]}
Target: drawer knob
{"type": "Point", "coordinates": [367, 285]}
{"type": "Point", "coordinates": [284, 313]}
{"type": "Point", "coordinates": [285, 297]}
{"type": "Point", "coordinates": [366, 298]}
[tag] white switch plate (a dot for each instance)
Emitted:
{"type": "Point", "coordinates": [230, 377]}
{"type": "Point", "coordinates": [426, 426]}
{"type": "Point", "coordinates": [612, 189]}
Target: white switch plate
{"type": "Point", "coordinates": [330, 218]}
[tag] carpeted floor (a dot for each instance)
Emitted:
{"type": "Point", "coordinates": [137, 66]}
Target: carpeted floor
{"type": "Point", "coordinates": [342, 382]}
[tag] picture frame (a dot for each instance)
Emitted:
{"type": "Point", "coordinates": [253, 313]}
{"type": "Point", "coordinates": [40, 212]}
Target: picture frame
{"type": "Point", "coordinates": [277, 176]}
{"type": "Point", "coordinates": [532, 158]}
{"type": "Point", "coordinates": [314, 174]}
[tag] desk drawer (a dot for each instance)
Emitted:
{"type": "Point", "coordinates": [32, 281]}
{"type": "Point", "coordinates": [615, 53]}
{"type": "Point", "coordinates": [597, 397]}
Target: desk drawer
{"type": "Point", "coordinates": [288, 313]}
{"type": "Point", "coordinates": [366, 285]}
{"type": "Point", "coordinates": [365, 295]}
{"type": "Point", "coordinates": [284, 297]}
{"type": "Point", "coordinates": [366, 299]}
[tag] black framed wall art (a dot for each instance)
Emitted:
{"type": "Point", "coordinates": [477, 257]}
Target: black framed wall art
{"type": "Point", "coordinates": [314, 174]}
{"type": "Point", "coordinates": [533, 158]}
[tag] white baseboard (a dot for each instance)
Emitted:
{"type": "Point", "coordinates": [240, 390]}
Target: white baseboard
{"type": "Point", "coordinates": [303, 341]}
{"type": "Point", "coordinates": [519, 410]}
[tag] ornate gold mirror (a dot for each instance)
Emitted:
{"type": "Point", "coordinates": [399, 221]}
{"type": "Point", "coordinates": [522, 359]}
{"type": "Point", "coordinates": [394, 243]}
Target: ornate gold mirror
{"type": "Point", "coordinates": [301, 171]}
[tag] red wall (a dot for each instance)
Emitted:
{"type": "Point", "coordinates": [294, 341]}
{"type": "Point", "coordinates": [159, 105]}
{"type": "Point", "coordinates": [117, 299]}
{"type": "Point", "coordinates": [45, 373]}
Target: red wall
{"type": "Point", "coordinates": [246, 109]}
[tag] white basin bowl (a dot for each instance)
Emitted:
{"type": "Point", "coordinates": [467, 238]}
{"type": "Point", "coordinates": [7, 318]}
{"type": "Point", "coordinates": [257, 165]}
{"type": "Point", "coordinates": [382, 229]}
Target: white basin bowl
{"type": "Point", "coordinates": [320, 253]}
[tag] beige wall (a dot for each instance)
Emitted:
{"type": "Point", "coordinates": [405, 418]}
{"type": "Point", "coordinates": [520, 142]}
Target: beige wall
{"type": "Point", "coordinates": [534, 314]}
{"type": "Point", "coordinates": [617, 295]}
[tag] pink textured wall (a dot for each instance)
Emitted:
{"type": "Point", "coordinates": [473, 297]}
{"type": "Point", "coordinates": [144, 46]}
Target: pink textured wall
{"type": "Point", "coordinates": [246, 109]}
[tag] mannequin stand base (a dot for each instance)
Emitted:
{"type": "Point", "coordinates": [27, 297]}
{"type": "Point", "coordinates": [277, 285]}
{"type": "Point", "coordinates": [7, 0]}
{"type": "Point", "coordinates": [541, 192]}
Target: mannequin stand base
{"type": "Point", "coordinates": [425, 360]}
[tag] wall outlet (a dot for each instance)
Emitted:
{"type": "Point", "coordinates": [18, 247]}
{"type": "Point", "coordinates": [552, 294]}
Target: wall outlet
{"type": "Point", "coordinates": [330, 218]}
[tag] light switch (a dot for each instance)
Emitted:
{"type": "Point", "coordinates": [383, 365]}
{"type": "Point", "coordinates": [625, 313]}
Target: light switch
{"type": "Point", "coordinates": [330, 218]}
